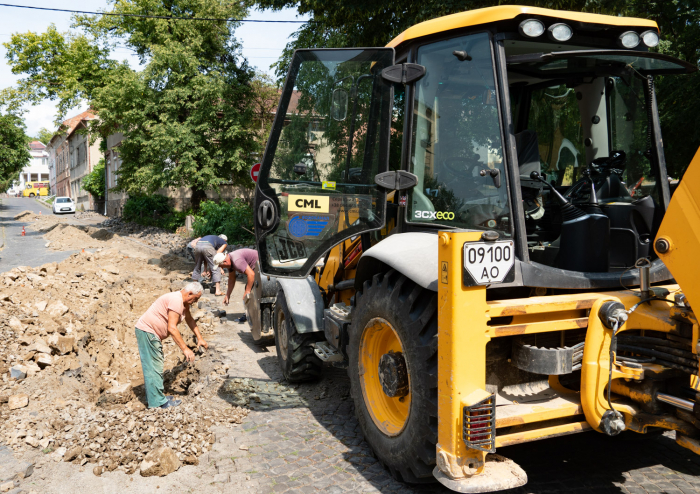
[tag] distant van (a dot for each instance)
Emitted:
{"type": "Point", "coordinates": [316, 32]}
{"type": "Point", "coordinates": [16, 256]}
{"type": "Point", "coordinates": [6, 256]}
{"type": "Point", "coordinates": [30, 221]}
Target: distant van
{"type": "Point", "coordinates": [32, 189]}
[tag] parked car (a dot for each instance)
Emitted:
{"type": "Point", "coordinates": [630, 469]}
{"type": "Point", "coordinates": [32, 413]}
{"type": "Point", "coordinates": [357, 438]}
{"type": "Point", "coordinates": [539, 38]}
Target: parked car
{"type": "Point", "coordinates": [63, 205]}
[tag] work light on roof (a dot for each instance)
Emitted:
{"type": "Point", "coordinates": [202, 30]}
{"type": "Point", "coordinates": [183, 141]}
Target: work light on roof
{"type": "Point", "coordinates": [531, 28]}
{"type": "Point", "coordinates": [630, 39]}
{"type": "Point", "coordinates": [560, 32]}
{"type": "Point", "coordinates": [650, 38]}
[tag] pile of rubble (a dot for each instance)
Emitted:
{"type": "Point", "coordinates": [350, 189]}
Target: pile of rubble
{"type": "Point", "coordinates": [88, 215]}
{"type": "Point", "coordinates": [151, 235]}
{"type": "Point", "coordinates": [71, 380]}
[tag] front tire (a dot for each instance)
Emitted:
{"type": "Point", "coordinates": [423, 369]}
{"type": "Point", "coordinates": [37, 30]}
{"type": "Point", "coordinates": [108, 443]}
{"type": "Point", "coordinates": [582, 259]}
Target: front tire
{"type": "Point", "coordinates": [295, 352]}
{"type": "Point", "coordinates": [396, 319]}
{"type": "Point", "coordinates": [31, 195]}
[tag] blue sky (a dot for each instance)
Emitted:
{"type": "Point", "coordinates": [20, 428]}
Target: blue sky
{"type": "Point", "coordinates": [262, 43]}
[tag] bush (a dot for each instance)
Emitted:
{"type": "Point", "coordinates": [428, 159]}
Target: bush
{"type": "Point", "coordinates": [232, 219]}
{"type": "Point", "coordinates": [94, 182]}
{"type": "Point", "coordinates": [153, 210]}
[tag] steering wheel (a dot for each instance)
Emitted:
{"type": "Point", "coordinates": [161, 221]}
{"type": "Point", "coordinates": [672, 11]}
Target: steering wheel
{"type": "Point", "coordinates": [461, 173]}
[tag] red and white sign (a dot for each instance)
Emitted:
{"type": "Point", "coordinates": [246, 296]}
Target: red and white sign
{"type": "Point", "coordinates": [254, 172]}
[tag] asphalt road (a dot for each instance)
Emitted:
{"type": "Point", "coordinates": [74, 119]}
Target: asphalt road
{"type": "Point", "coordinates": [18, 250]}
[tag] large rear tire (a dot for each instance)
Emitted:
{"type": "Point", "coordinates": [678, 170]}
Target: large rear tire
{"type": "Point", "coordinates": [295, 352]}
{"type": "Point", "coordinates": [396, 319]}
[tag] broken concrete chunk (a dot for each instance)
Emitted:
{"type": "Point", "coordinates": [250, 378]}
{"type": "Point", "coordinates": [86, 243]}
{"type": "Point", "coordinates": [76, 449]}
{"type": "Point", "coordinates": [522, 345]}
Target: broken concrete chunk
{"type": "Point", "coordinates": [33, 277]}
{"type": "Point", "coordinates": [72, 453]}
{"type": "Point", "coordinates": [43, 360]}
{"type": "Point", "coordinates": [18, 372]}
{"type": "Point", "coordinates": [5, 487]}
{"type": "Point", "coordinates": [57, 309]}
{"type": "Point", "coordinates": [41, 305]}
{"type": "Point", "coordinates": [161, 461]}
{"type": "Point", "coordinates": [18, 401]}
{"type": "Point", "coordinates": [39, 346]}
{"type": "Point", "coordinates": [154, 261]}
{"type": "Point", "coordinates": [24, 470]}
{"type": "Point", "coordinates": [61, 344]}
{"type": "Point", "coordinates": [15, 324]}
{"type": "Point", "coordinates": [117, 395]}
{"type": "Point", "coordinates": [32, 441]}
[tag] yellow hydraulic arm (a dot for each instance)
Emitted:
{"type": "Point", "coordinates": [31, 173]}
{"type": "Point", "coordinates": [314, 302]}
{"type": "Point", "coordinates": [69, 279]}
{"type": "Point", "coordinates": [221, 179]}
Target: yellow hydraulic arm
{"type": "Point", "coordinates": [678, 240]}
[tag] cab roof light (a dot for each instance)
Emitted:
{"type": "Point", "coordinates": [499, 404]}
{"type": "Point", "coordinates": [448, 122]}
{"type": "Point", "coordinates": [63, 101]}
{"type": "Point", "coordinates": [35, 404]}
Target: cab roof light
{"type": "Point", "coordinates": [560, 32]}
{"type": "Point", "coordinates": [531, 28]}
{"type": "Point", "coordinates": [650, 38]}
{"type": "Point", "coordinates": [629, 39]}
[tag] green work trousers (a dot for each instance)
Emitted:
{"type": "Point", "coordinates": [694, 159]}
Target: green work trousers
{"type": "Point", "coordinates": [152, 360]}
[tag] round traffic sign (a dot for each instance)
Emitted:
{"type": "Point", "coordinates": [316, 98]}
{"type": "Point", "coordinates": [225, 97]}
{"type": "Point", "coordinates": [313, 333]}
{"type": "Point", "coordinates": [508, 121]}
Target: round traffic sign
{"type": "Point", "coordinates": [254, 172]}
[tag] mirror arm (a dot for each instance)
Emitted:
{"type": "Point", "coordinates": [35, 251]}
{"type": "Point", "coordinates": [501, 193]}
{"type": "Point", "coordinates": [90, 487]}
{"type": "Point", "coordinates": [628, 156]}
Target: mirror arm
{"type": "Point", "coordinates": [495, 174]}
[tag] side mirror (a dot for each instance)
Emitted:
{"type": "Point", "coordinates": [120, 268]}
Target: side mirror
{"type": "Point", "coordinates": [339, 105]}
{"type": "Point", "coordinates": [300, 168]}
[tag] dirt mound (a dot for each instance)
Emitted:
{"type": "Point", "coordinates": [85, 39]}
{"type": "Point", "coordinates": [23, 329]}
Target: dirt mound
{"type": "Point", "coordinates": [25, 215]}
{"type": "Point", "coordinates": [67, 345]}
{"type": "Point", "coordinates": [67, 237]}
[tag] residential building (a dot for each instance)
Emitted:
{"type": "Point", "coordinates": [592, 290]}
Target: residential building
{"type": "Point", "coordinates": [83, 156]}
{"type": "Point", "coordinates": [59, 150]}
{"type": "Point", "coordinates": [115, 200]}
{"type": "Point", "coordinates": [37, 170]}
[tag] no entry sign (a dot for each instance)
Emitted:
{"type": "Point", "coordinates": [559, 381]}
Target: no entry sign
{"type": "Point", "coordinates": [254, 172]}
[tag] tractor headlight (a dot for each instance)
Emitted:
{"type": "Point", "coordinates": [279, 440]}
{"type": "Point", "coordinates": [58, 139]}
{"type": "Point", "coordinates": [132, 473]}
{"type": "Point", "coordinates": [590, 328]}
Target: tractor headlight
{"type": "Point", "coordinates": [560, 32]}
{"type": "Point", "coordinates": [531, 28]}
{"type": "Point", "coordinates": [630, 39]}
{"type": "Point", "coordinates": [650, 38]}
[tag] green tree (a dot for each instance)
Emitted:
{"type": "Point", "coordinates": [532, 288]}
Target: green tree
{"type": "Point", "coordinates": [94, 182]}
{"type": "Point", "coordinates": [62, 67]}
{"type": "Point", "coordinates": [337, 23]}
{"type": "Point", "coordinates": [44, 135]}
{"type": "Point", "coordinates": [185, 115]}
{"type": "Point", "coordinates": [14, 153]}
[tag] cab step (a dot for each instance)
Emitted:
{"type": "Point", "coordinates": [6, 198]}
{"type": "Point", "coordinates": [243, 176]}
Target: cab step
{"type": "Point", "coordinates": [326, 352]}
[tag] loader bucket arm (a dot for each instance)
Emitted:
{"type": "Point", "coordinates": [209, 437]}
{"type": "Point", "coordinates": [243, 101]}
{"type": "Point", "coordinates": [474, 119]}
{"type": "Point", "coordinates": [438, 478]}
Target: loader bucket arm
{"type": "Point", "coordinates": [678, 240]}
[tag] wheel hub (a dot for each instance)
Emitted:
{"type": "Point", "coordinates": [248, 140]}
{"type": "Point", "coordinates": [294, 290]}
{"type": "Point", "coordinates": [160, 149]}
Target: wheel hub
{"type": "Point", "coordinates": [284, 343]}
{"type": "Point", "coordinates": [393, 374]}
{"type": "Point", "coordinates": [385, 377]}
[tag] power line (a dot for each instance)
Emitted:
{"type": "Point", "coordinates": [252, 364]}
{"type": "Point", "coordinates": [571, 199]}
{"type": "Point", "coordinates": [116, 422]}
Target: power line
{"type": "Point", "coordinates": [143, 16]}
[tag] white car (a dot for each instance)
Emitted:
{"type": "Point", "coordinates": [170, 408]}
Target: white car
{"type": "Point", "coordinates": [63, 205]}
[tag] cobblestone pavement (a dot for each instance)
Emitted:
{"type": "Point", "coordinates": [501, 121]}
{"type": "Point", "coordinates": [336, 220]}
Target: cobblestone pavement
{"type": "Point", "coordinates": [305, 438]}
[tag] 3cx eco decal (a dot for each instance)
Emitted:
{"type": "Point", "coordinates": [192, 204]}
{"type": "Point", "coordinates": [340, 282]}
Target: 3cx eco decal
{"type": "Point", "coordinates": [434, 215]}
{"type": "Point", "coordinates": [304, 225]}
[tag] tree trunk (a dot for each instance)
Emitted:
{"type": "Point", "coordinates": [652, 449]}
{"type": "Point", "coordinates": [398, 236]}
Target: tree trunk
{"type": "Point", "coordinates": [198, 195]}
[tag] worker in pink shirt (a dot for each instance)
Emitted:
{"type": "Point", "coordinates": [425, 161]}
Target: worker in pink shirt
{"type": "Point", "coordinates": [159, 322]}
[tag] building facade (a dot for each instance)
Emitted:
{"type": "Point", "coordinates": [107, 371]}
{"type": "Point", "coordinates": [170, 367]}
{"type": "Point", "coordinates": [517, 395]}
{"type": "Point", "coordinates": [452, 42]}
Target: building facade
{"type": "Point", "coordinates": [114, 200]}
{"type": "Point", "coordinates": [71, 157]}
{"type": "Point", "coordinates": [83, 156]}
{"type": "Point", "coordinates": [37, 170]}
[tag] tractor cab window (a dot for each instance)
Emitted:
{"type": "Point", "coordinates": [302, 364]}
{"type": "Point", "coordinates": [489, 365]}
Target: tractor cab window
{"type": "Point", "coordinates": [597, 203]}
{"type": "Point", "coordinates": [457, 153]}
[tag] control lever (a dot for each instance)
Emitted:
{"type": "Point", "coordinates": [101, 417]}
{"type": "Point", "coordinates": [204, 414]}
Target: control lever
{"type": "Point", "coordinates": [495, 175]}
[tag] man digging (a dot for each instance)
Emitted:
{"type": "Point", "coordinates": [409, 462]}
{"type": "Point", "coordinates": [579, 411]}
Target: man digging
{"type": "Point", "coordinates": [204, 251]}
{"type": "Point", "coordinates": [159, 322]}
{"type": "Point", "coordinates": [239, 261]}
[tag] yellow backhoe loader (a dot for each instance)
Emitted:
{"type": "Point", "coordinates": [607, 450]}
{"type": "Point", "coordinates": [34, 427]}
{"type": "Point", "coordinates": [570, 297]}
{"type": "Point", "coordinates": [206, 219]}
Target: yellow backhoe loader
{"type": "Point", "coordinates": [476, 221]}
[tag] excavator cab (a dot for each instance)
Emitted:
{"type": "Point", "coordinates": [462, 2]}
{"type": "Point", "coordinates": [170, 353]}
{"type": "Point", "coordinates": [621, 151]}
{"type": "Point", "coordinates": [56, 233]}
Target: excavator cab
{"type": "Point", "coordinates": [476, 222]}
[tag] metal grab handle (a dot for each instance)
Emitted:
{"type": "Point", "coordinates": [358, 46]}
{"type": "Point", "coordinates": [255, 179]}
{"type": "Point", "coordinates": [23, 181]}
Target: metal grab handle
{"type": "Point", "coordinates": [266, 214]}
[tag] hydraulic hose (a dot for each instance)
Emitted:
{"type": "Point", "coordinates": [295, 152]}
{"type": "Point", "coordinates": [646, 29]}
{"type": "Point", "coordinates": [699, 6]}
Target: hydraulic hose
{"type": "Point", "coordinates": [658, 354]}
